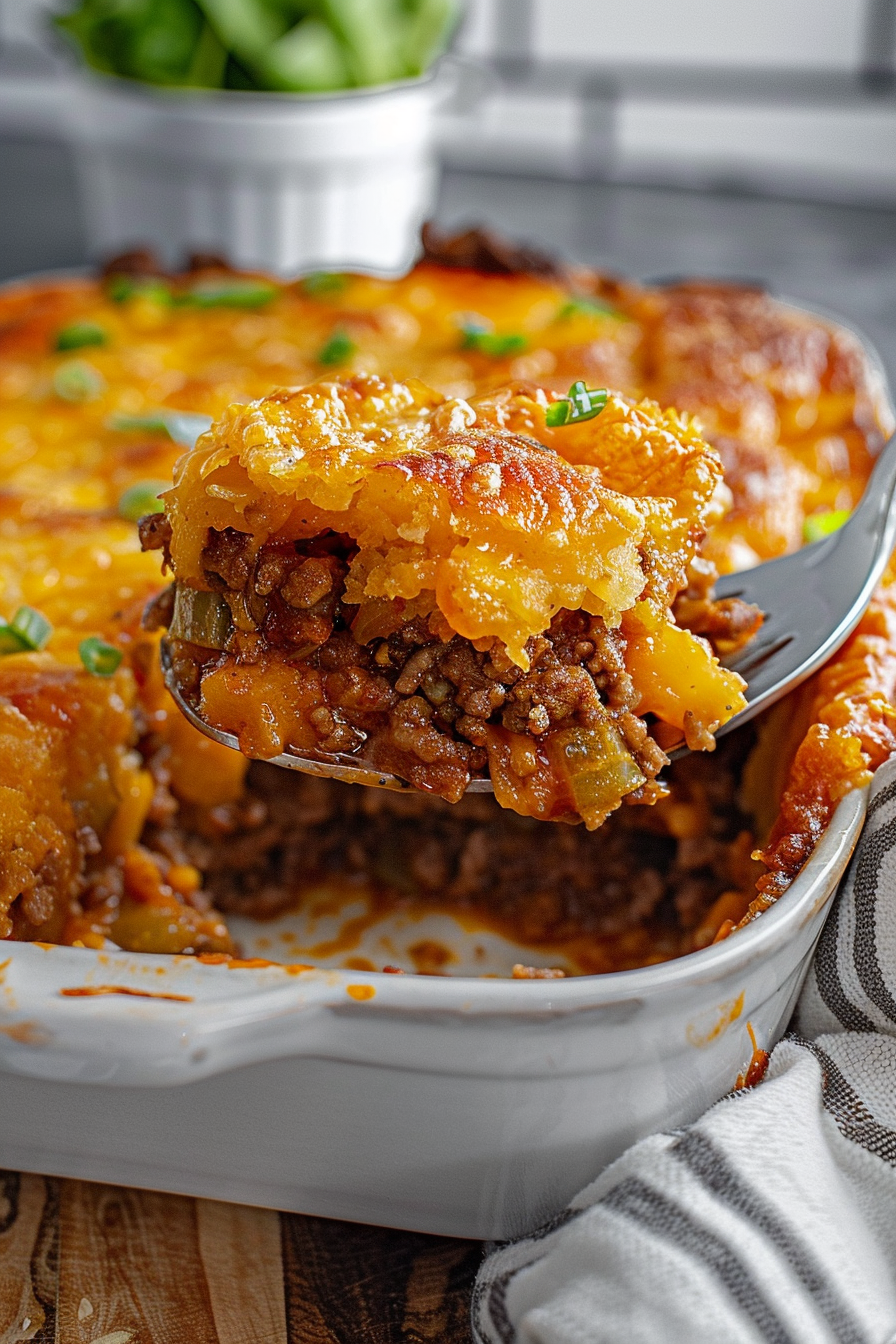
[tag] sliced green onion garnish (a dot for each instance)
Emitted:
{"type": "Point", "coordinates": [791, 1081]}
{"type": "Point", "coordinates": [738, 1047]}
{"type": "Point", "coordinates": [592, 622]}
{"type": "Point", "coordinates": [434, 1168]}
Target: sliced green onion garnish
{"type": "Point", "coordinates": [76, 380]}
{"type": "Point", "coordinates": [231, 293]}
{"type": "Point", "coordinates": [9, 640]}
{"type": "Point", "coordinates": [100, 659]}
{"type": "Point", "coordinates": [337, 350]}
{"type": "Point", "coordinates": [141, 499]}
{"type": "Point", "coordinates": [200, 618]}
{"type": "Point", "coordinates": [493, 343]}
{"type": "Point", "coordinates": [80, 334]}
{"type": "Point", "coordinates": [120, 288]}
{"type": "Point", "coordinates": [322, 283]}
{"type": "Point", "coordinates": [183, 427]}
{"type": "Point", "coordinates": [580, 403]}
{"type": "Point", "coordinates": [585, 307]}
{"type": "Point", "coordinates": [819, 525]}
{"type": "Point", "coordinates": [27, 631]}
{"type": "Point", "coordinates": [150, 424]}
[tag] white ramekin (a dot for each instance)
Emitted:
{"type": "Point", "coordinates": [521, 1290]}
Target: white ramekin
{"type": "Point", "coordinates": [471, 1107]}
{"type": "Point", "coordinates": [280, 182]}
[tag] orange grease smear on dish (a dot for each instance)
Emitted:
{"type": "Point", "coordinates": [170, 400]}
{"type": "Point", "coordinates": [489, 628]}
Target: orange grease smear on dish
{"type": "Point", "coordinates": [85, 991]}
{"type": "Point", "coordinates": [757, 1066]}
{"type": "Point", "coordinates": [728, 1012]}
{"type": "Point", "coordinates": [253, 963]}
{"type": "Point", "coordinates": [360, 992]}
{"type": "Point", "coordinates": [25, 1033]}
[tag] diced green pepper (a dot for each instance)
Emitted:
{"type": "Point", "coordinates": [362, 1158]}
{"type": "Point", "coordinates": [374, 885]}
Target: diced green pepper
{"type": "Point", "coordinates": [200, 618]}
{"type": "Point", "coordinates": [598, 767]}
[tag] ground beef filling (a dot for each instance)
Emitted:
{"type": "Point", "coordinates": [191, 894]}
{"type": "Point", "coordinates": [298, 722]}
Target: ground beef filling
{"type": "Point", "coordinates": [649, 884]}
{"type": "Point", "coordinates": [409, 701]}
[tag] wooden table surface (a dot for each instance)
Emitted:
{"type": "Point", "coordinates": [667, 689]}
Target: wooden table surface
{"type": "Point", "coordinates": [98, 1264]}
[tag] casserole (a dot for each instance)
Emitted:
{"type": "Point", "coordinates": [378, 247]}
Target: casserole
{"type": "Point", "coordinates": [453, 587]}
{"type": "Point", "coordinates": [464, 1107]}
{"type": "Point", "coordinates": [561, 1082]}
{"type": "Point", "coordinates": [138, 817]}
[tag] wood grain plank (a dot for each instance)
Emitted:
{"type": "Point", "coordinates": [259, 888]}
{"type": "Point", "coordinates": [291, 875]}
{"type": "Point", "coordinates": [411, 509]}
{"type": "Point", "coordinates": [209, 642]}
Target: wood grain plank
{"type": "Point", "coordinates": [349, 1284]}
{"type": "Point", "coordinates": [130, 1268]}
{"type": "Point", "coordinates": [437, 1303]}
{"type": "Point", "coordinates": [241, 1256]}
{"type": "Point", "coordinates": [28, 1230]}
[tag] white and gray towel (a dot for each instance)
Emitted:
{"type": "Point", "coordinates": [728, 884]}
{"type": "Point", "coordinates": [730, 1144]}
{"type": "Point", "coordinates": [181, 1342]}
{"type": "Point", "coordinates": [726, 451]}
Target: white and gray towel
{"type": "Point", "coordinates": [772, 1219]}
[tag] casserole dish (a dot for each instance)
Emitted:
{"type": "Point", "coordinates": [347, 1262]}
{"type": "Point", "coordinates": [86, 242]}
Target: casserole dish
{"type": "Point", "coordinates": [465, 1105]}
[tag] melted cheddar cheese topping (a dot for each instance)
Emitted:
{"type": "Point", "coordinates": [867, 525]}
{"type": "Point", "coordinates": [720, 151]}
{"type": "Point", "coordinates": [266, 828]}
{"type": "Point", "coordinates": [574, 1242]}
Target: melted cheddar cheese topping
{"type": "Point", "coordinates": [94, 768]}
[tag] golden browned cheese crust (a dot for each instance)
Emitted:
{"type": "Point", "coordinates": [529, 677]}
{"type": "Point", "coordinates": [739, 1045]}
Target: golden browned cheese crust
{"type": "Point", "coordinates": [485, 528]}
{"type": "Point", "coordinates": [789, 401]}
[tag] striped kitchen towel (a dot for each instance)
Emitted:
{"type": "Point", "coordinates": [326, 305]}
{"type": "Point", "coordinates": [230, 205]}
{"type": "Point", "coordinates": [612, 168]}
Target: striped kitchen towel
{"type": "Point", "coordinates": [772, 1219]}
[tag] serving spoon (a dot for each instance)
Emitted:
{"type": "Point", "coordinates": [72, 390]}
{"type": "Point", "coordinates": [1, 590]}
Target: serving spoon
{"type": "Point", "coordinates": [811, 600]}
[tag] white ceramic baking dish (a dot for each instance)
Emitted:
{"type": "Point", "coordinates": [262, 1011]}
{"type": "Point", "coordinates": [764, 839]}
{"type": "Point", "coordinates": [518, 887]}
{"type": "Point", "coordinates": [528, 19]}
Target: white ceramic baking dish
{"type": "Point", "coordinates": [464, 1105]}
{"type": "Point", "coordinates": [459, 1105]}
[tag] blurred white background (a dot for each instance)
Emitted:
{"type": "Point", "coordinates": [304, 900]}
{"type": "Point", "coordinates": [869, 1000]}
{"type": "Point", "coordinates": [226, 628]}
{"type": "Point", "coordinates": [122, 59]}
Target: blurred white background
{"type": "Point", "coordinates": [793, 97]}
{"type": "Point", "coordinates": [707, 137]}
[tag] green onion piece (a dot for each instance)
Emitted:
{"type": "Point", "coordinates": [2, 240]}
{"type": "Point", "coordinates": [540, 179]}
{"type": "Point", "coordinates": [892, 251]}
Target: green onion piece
{"type": "Point", "coordinates": [337, 350]}
{"type": "Point", "coordinates": [235, 292]}
{"type": "Point", "coordinates": [120, 288]}
{"type": "Point", "coordinates": [321, 284]}
{"type": "Point", "coordinates": [493, 343]}
{"type": "Point", "coordinates": [10, 642]}
{"type": "Point", "coordinates": [183, 427]}
{"type": "Point", "coordinates": [80, 334]}
{"type": "Point", "coordinates": [28, 630]}
{"type": "Point", "coordinates": [200, 618]}
{"type": "Point", "coordinates": [582, 306]}
{"type": "Point", "coordinates": [819, 525]}
{"type": "Point", "coordinates": [76, 380]}
{"type": "Point", "coordinates": [100, 659]}
{"type": "Point", "coordinates": [151, 424]}
{"type": "Point", "coordinates": [557, 414]}
{"type": "Point", "coordinates": [141, 499]}
{"type": "Point", "coordinates": [580, 403]}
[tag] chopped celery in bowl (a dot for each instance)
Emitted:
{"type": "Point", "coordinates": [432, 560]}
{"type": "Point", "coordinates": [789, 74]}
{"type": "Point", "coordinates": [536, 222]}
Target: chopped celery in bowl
{"type": "Point", "coordinates": [283, 46]}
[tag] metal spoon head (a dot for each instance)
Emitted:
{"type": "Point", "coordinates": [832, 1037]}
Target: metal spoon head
{"type": "Point", "coordinates": [329, 765]}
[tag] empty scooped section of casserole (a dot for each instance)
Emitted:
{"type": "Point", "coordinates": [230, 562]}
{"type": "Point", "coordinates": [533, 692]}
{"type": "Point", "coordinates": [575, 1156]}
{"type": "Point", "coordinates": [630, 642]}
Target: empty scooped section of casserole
{"type": "Point", "coordinates": [449, 588]}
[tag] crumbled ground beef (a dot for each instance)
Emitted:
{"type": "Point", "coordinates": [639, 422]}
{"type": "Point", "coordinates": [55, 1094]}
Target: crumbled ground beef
{"type": "Point", "coordinates": [485, 252]}
{"type": "Point", "coordinates": [654, 871]}
{"type": "Point", "coordinates": [420, 705]}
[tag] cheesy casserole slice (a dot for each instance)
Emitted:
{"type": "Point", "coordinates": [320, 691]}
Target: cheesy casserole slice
{"type": "Point", "coordinates": [447, 587]}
